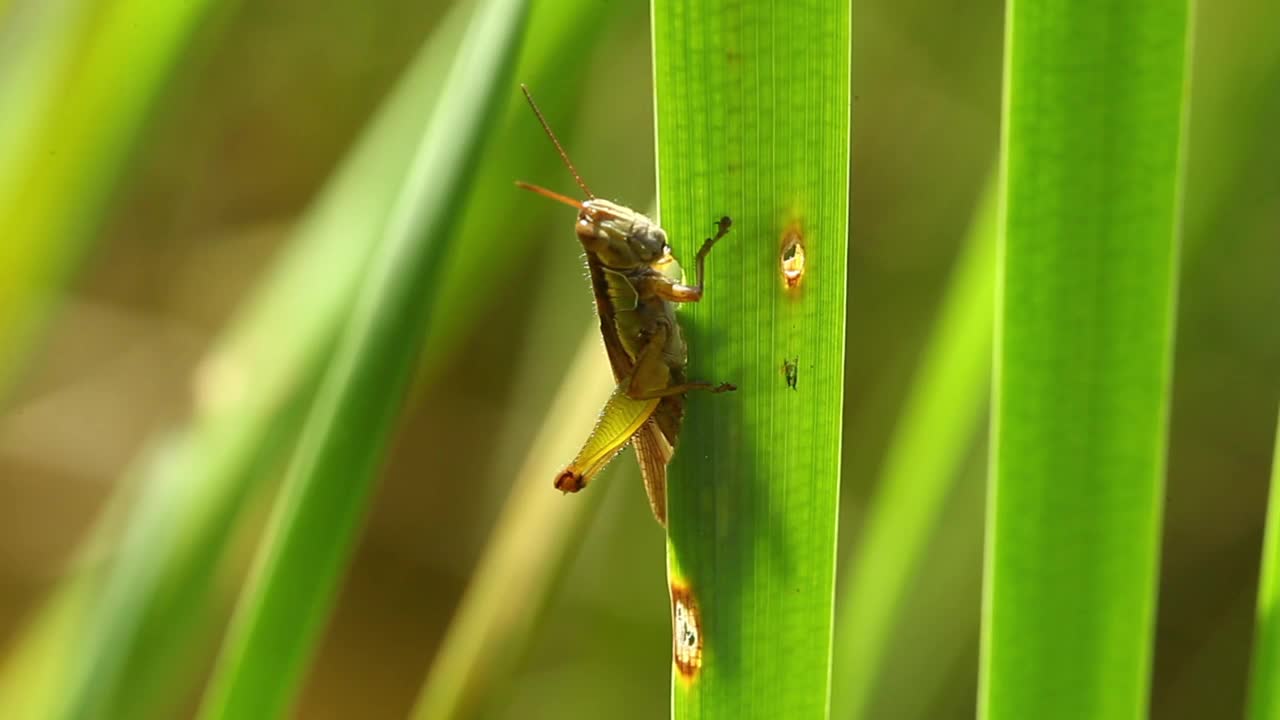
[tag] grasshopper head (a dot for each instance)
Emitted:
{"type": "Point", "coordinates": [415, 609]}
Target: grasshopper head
{"type": "Point", "coordinates": [619, 236]}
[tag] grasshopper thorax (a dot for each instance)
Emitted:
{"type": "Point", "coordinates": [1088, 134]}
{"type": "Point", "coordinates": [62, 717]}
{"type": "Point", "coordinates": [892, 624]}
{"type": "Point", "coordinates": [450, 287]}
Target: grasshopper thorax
{"type": "Point", "coordinates": [620, 237]}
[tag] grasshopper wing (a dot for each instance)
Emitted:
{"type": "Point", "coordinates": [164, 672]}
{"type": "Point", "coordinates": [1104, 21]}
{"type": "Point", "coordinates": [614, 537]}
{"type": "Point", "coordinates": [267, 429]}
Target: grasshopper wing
{"type": "Point", "coordinates": [655, 443]}
{"type": "Point", "coordinates": [654, 452]}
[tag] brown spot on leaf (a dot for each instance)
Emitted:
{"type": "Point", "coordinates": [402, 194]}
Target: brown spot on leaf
{"type": "Point", "coordinates": [792, 257]}
{"type": "Point", "coordinates": [686, 629]}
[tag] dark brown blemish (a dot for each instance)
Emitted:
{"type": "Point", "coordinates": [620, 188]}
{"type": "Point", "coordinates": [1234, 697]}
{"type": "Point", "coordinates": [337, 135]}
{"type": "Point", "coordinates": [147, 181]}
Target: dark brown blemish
{"type": "Point", "coordinates": [792, 257]}
{"type": "Point", "coordinates": [686, 632]}
{"type": "Point", "coordinates": [791, 369]}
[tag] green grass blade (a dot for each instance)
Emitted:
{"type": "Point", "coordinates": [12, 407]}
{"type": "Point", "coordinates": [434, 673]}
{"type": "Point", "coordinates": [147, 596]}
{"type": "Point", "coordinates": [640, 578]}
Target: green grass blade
{"type": "Point", "coordinates": [1264, 692]}
{"type": "Point", "coordinates": [491, 242]}
{"type": "Point", "coordinates": [1093, 118]}
{"type": "Point", "coordinates": [77, 83]}
{"type": "Point", "coordinates": [35, 666]}
{"type": "Point", "coordinates": [526, 553]}
{"type": "Point", "coordinates": [753, 123]}
{"type": "Point", "coordinates": [150, 605]}
{"type": "Point", "coordinates": [313, 527]}
{"type": "Point", "coordinates": [147, 629]}
{"type": "Point", "coordinates": [939, 422]}
{"type": "Point", "coordinates": [929, 668]}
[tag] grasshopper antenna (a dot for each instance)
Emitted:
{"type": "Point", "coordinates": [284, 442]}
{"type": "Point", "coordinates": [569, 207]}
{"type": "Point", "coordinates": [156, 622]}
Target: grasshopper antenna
{"type": "Point", "coordinates": [559, 148]}
{"type": "Point", "coordinates": [549, 194]}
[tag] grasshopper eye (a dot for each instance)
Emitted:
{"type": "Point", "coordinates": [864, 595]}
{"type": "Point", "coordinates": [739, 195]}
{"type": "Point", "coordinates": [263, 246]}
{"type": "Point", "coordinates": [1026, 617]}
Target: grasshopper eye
{"type": "Point", "coordinates": [649, 244]}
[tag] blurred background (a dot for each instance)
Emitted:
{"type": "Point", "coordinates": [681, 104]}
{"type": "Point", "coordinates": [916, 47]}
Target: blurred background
{"type": "Point", "coordinates": [268, 97]}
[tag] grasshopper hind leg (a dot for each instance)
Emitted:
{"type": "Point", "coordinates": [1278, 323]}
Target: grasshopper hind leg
{"type": "Point", "coordinates": [621, 417]}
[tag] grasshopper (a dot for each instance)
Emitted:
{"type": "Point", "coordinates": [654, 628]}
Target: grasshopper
{"type": "Point", "coordinates": [636, 282]}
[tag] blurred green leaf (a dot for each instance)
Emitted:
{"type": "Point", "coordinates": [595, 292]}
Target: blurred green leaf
{"type": "Point", "coordinates": [1094, 110]}
{"type": "Point", "coordinates": [36, 662]}
{"type": "Point", "coordinates": [527, 552]}
{"type": "Point", "coordinates": [78, 81]}
{"type": "Point", "coordinates": [929, 668]}
{"type": "Point", "coordinates": [934, 435]}
{"type": "Point", "coordinates": [494, 239]}
{"type": "Point", "coordinates": [753, 123]}
{"type": "Point", "coordinates": [349, 426]}
{"type": "Point", "coordinates": [147, 628]}
{"type": "Point", "coordinates": [1264, 692]}
{"type": "Point", "coordinates": [150, 603]}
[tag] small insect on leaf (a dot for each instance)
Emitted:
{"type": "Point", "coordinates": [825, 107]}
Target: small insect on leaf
{"type": "Point", "coordinates": [636, 282]}
{"type": "Point", "coordinates": [791, 369]}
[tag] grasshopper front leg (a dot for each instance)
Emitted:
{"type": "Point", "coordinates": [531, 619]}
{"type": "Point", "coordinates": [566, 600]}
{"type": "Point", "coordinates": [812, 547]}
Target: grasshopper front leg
{"type": "Point", "coordinates": [679, 292]}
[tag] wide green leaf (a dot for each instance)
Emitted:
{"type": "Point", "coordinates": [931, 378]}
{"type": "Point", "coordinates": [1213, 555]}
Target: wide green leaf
{"type": "Point", "coordinates": [753, 123]}
{"type": "Point", "coordinates": [1093, 124]}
